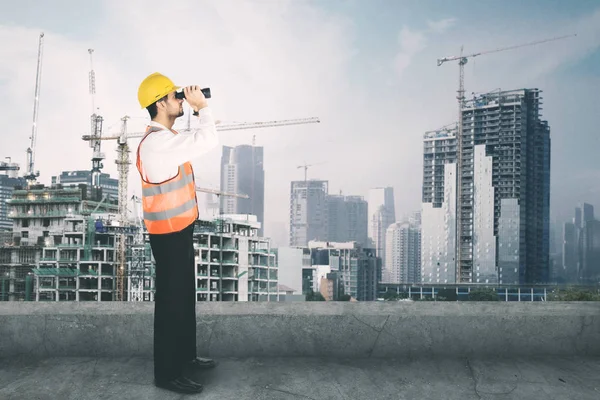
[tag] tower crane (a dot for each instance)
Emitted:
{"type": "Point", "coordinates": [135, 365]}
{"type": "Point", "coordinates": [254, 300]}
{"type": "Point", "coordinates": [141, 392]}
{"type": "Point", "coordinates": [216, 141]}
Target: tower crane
{"type": "Point", "coordinates": [462, 60]}
{"type": "Point", "coordinates": [305, 166]}
{"type": "Point", "coordinates": [31, 175]}
{"type": "Point", "coordinates": [96, 132]}
{"type": "Point", "coordinates": [123, 162]}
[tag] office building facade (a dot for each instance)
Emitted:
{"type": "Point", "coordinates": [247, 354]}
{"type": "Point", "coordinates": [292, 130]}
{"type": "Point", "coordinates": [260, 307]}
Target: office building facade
{"type": "Point", "coordinates": [242, 172]}
{"type": "Point", "coordinates": [382, 213]}
{"type": "Point", "coordinates": [403, 253]}
{"type": "Point", "coordinates": [347, 219]}
{"type": "Point", "coordinates": [308, 212]}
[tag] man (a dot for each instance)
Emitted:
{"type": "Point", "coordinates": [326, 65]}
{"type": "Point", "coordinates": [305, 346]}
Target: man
{"type": "Point", "coordinates": [170, 210]}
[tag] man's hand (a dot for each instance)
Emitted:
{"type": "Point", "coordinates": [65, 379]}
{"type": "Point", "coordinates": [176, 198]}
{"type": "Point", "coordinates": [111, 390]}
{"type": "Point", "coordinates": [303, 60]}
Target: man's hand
{"type": "Point", "coordinates": [195, 97]}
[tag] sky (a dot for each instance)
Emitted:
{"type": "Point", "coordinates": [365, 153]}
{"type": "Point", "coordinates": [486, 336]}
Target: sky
{"type": "Point", "coordinates": [366, 69]}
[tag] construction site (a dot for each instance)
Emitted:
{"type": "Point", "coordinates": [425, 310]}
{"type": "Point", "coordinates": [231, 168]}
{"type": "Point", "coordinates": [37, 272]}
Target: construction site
{"type": "Point", "coordinates": [77, 243]}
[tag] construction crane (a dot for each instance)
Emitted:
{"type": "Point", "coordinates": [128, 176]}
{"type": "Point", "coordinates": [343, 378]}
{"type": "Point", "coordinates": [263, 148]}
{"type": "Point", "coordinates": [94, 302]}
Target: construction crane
{"type": "Point", "coordinates": [462, 60]}
{"type": "Point", "coordinates": [31, 175]}
{"type": "Point", "coordinates": [219, 193]}
{"type": "Point", "coordinates": [305, 166]}
{"type": "Point", "coordinates": [221, 128]}
{"type": "Point", "coordinates": [96, 133]}
{"type": "Point", "coordinates": [123, 162]}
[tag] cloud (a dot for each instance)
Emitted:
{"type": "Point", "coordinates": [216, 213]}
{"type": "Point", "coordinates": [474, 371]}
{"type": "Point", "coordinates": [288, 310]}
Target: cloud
{"type": "Point", "coordinates": [414, 41]}
{"type": "Point", "coordinates": [289, 59]}
{"type": "Point", "coordinates": [411, 42]}
{"type": "Point", "coordinates": [441, 25]}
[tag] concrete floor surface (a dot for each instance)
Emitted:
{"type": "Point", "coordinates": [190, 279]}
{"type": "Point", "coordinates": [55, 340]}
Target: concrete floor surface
{"type": "Point", "coordinates": [309, 378]}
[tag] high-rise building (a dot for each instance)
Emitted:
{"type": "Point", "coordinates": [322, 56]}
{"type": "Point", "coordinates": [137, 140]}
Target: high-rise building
{"type": "Point", "coordinates": [570, 252]}
{"type": "Point", "coordinates": [403, 253]}
{"type": "Point", "coordinates": [109, 186]}
{"type": "Point", "coordinates": [382, 213]}
{"type": "Point", "coordinates": [8, 184]}
{"type": "Point", "coordinates": [438, 213]}
{"type": "Point", "coordinates": [308, 212]}
{"type": "Point", "coordinates": [349, 264]}
{"type": "Point", "coordinates": [584, 246]}
{"type": "Point", "coordinates": [347, 219]}
{"type": "Point", "coordinates": [505, 189]}
{"type": "Point", "coordinates": [590, 273]}
{"type": "Point", "coordinates": [242, 173]}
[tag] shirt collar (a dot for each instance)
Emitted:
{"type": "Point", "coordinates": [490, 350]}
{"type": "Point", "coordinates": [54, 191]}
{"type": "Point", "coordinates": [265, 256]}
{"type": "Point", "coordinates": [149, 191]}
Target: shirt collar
{"type": "Point", "coordinates": [158, 125]}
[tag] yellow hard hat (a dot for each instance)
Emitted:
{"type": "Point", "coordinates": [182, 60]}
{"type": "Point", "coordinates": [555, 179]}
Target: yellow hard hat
{"type": "Point", "coordinates": [153, 88]}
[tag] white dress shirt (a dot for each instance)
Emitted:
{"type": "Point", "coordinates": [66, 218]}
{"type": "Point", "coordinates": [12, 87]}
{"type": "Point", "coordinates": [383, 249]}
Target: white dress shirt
{"type": "Point", "coordinates": [163, 152]}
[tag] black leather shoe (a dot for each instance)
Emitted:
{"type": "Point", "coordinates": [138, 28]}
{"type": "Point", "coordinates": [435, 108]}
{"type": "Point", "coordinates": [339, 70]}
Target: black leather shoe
{"type": "Point", "coordinates": [191, 382]}
{"type": "Point", "coordinates": [200, 363]}
{"type": "Point", "coordinates": [180, 385]}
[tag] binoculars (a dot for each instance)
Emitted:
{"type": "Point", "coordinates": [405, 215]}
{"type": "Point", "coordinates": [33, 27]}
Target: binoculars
{"type": "Point", "coordinates": [205, 92]}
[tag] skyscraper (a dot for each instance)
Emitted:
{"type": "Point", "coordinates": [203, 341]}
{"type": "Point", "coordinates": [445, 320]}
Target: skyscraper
{"type": "Point", "coordinates": [505, 190]}
{"type": "Point", "coordinates": [382, 214]}
{"type": "Point", "coordinates": [347, 219]}
{"type": "Point", "coordinates": [438, 213]}
{"type": "Point", "coordinates": [585, 244]}
{"type": "Point", "coordinates": [242, 173]}
{"type": "Point", "coordinates": [308, 211]}
{"type": "Point", "coordinates": [570, 253]}
{"type": "Point", "coordinates": [403, 248]}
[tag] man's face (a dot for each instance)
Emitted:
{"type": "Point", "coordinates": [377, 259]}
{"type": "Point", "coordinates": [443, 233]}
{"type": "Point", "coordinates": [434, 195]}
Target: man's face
{"type": "Point", "coordinates": [173, 106]}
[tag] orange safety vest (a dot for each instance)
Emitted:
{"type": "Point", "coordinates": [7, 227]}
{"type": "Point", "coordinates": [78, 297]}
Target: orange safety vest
{"type": "Point", "coordinates": [169, 206]}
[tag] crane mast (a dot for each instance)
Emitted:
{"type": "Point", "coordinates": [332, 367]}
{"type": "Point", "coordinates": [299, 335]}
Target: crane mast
{"type": "Point", "coordinates": [96, 133]}
{"type": "Point", "coordinates": [463, 244]}
{"type": "Point", "coordinates": [31, 174]}
{"type": "Point", "coordinates": [122, 162]}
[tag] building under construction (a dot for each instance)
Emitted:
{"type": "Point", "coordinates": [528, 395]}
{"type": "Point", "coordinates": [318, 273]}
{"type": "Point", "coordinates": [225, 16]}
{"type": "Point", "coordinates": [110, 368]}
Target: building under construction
{"type": "Point", "coordinates": [503, 204]}
{"type": "Point", "coordinates": [65, 248]}
{"type": "Point", "coordinates": [40, 218]}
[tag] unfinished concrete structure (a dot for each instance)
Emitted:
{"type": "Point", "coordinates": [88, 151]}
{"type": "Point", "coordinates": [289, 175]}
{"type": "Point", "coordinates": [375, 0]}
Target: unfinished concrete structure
{"type": "Point", "coordinates": [505, 193]}
{"type": "Point", "coordinates": [233, 263]}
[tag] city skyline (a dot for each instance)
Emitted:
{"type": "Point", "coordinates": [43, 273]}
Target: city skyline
{"type": "Point", "coordinates": [402, 72]}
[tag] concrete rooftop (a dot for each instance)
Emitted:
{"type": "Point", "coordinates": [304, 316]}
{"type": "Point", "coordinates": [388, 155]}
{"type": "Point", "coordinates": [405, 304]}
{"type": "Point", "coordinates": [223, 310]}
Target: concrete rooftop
{"type": "Point", "coordinates": [80, 378]}
{"type": "Point", "coordinates": [366, 351]}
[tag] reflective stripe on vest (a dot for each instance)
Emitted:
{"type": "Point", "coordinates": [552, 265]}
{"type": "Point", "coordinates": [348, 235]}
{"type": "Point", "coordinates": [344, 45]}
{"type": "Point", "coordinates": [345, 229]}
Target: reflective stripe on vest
{"type": "Point", "coordinates": [169, 186]}
{"type": "Point", "coordinates": [169, 206]}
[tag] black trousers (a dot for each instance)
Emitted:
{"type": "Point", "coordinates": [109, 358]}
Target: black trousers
{"type": "Point", "coordinates": [174, 303]}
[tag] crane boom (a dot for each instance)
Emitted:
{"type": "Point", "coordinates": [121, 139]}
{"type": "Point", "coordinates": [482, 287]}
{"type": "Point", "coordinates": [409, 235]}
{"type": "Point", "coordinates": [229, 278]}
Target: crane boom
{"type": "Point", "coordinates": [31, 174]}
{"type": "Point", "coordinates": [305, 166]}
{"type": "Point", "coordinates": [440, 61]}
{"type": "Point", "coordinates": [219, 193]}
{"type": "Point", "coordinates": [226, 127]}
{"type": "Point", "coordinates": [463, 236]}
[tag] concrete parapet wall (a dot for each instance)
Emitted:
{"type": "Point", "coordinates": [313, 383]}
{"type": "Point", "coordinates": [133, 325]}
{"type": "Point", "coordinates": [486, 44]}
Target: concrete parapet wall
{"type": "Point", "coordinates": [322, 329]}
